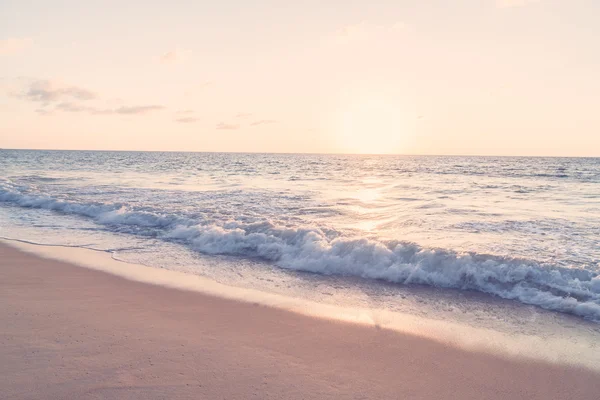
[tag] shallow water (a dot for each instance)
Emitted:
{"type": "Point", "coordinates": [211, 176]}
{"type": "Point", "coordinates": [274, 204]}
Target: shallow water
{"type": "Point", "coordinates": [382, 231]}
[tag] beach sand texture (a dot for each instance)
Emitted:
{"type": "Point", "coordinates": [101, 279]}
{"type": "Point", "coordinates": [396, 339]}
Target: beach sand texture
{"type": "Point", "coordinates": [67, 332]}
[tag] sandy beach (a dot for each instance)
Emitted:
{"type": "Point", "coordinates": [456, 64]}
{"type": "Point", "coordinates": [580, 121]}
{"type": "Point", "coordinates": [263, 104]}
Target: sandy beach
{"type": "Point", "coordinates": [68, 332]}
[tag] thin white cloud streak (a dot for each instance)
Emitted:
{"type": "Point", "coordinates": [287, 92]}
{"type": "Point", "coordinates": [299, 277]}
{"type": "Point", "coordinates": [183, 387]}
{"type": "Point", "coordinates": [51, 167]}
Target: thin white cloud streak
{"type": "Point", "coordinates": [125, 110]}
{"type": "Point", "coordinates": [137, 109]}
{"type": "Point", "coordinates": [263, 122]}
{"type": "Point", "coordinates": [187, 120]}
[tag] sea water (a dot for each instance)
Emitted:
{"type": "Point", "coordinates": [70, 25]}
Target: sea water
{"type": "Point", "coordinates": [490, 240]}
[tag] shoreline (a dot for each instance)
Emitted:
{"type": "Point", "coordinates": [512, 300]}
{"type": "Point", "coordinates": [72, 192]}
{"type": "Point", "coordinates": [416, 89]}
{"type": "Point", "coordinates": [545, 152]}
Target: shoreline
{"type": "Point", "coordinates": [78, 333]}
{"type": "Point", "coordinates": [568, 347]}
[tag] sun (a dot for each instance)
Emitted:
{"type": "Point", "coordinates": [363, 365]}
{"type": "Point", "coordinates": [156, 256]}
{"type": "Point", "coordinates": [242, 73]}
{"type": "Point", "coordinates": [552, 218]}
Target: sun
{"type": "Point", "coordinates": [372, 127]}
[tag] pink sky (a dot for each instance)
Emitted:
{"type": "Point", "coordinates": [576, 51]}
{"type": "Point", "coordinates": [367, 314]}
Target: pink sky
{"type": "Point", "coordinates": [502, 77]}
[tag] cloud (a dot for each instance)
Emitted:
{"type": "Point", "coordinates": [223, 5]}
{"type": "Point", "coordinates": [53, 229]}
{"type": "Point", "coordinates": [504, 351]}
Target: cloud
{"type": "Point", "coordinates": [44, 112]}
{"type": "Point", "coordinates": [48, 92]}
{"type": "Point", "coordinates": [263, 122]}
{"type": "Point", "coordinates": [185, 116]}
{"type": "Point", "coordinates": [138, 109]}
{"type": "Point", "coordinates": [14, 45]}
{"type": "Point", "coordinates": [243, 115]}
{"type": "Point", "coordinates": [175, 56]}
{"type": "Point", "coordinates": [228, 127]}
{"type": "Point", "coordinates": [70, 107]}
{"type": "Point", "coordinates": [186, 120]}
{"type": "Point", "coordinates": [514, 3]}
{"type": "Point", "coordinates": [58, 97]}
{"type": "Point", "coordinates": [76, 108]}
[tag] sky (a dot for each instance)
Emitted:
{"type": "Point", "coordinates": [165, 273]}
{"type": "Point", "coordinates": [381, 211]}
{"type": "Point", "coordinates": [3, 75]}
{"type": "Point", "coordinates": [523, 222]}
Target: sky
{"type": "Point", "coordinates": [467, 77]}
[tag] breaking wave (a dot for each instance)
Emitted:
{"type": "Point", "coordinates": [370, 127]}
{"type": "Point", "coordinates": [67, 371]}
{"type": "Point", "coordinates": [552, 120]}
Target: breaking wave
{"type": "Point", "coordinates": [314, 249]}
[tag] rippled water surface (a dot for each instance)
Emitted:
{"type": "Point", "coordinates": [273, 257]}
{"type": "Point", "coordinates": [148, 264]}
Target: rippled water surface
{"type": "Point", "coordinates": [526, 229]}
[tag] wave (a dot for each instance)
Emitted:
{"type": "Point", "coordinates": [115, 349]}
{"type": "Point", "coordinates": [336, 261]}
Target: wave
{"type": "Point", "coordinates": [318, 250]}
{"type": "Point", "coordinates": [105, 214]}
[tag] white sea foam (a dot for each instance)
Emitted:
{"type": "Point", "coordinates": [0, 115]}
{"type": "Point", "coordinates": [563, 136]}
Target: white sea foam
{"type": "Point", "coordinates": [570, 290]}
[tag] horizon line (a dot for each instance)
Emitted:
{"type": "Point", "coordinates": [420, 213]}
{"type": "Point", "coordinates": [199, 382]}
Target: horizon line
{"type": "Point", "coordinates": [298, 153]}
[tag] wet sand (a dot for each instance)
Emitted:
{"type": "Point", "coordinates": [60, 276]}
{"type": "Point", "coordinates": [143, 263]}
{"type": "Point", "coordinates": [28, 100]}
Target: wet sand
{"type": "Point", "coordinates": [71, 332]}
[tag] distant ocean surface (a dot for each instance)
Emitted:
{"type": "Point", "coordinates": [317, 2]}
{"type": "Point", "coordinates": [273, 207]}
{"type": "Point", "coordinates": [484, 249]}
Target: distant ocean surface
{"type": "Point", "coordinates": [518, 228]}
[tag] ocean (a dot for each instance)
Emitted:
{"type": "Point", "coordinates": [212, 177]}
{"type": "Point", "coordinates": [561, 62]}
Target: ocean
{"type": "Point", "coordinates": [483, 239]}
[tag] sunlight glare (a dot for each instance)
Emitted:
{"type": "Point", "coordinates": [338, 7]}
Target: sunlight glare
{"type": "Point", "coordinates": [373, 127]}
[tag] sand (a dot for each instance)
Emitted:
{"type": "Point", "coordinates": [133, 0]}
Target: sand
{"type": "Point", "coordinates": [67, 332]}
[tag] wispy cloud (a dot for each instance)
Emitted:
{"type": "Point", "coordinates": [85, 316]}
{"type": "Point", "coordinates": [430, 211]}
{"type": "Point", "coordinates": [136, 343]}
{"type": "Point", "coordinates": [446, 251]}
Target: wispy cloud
{"type": "Point", "coordinates": [58, 97]}
{"type": "Point", "coordinates": [514, 3]}
{"type": "Point", "coordinates": [228, 127]}
{"type": "Point", "coordinates": [71, 107]}
{"type": "Point", "coordinates": [44, 112]}
{"type": "Point", "coordinates": [14, 45]}
{"type": "Point", "coordinates": [131, 110]}
{"type": "Point", "coordinates": [185, 116]}
{"type": "Point", "coordinates": [175, 56]}
{"type": "Point", "coordinates": [243, 115]}
{"type": "Point", "coordinates": [186, 120]}
{"type": "Point", "coordinates": [263, 122]}
{"type": "Point", "coordinates": [48, 91]}
{"type": "Point", "coordinates": [138, 109]}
